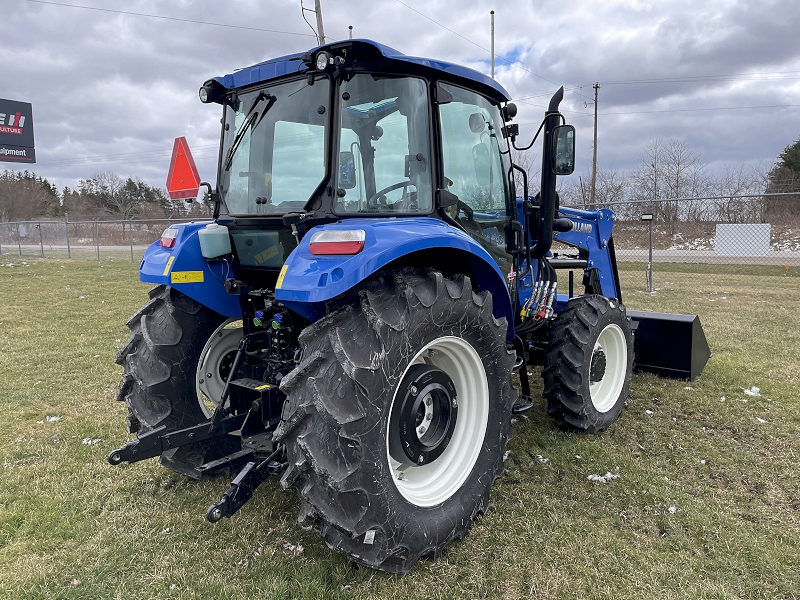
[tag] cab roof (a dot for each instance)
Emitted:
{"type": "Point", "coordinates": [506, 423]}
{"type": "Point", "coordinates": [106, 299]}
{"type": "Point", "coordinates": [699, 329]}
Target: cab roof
{"type": "Point", "coordinates": [368, 55]}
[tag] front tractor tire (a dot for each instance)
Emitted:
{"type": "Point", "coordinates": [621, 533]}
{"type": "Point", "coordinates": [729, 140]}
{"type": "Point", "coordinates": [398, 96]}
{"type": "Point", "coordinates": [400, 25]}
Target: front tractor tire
{"type": "Point", "coordinates": [588, 364]}
{"type": "Point", "coordinates": [166, 360]}
{"type": "Point", "coordinates": [397, 418]}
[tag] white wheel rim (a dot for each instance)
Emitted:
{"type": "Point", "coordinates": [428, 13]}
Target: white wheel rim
{"type": "Point", "coordinates": [432, 484]}
{"type": "Point", "coordinates": [606, 391]}
{"type": "Point", "coordinates": [208, 382]}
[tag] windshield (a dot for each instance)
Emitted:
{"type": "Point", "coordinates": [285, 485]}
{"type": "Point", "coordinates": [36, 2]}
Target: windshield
{"type": "Point", "coordinates": [384, 148]}
{"type": "Point", "coordinates": [274, 147]}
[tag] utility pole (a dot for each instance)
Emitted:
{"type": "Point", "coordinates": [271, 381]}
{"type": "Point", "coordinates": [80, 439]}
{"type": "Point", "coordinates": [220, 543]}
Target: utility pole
{"type": "Point", "coordinates": [320, 29]}
{"type": "Point", "coordinates": [596, 87]}
{"type": "Point", "coordinates": [492, 13]}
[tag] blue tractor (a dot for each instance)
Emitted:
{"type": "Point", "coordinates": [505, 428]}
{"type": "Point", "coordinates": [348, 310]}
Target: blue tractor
{"type": "Point", "coordinates": [351, 320]}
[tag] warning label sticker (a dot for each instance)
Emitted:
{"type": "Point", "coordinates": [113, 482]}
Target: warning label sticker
{"type": "Point", "coordinates": [187, 277]}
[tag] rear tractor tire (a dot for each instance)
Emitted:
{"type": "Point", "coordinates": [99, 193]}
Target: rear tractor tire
{"type": "Point", "coordinates": [397, 418]}
{"type": "Point", "coordinates": [588, 364]}
{"type": "Point", "coordinates": [175, 364]}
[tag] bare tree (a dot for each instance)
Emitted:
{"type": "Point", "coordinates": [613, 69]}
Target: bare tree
{"type": "Point", "coordinates": [528, 161]}
{"type": "Point", "coordinates": [26, 196]}
{"type": "Point", "coordinates": [739, 180]}
{"type": "Point", "coordinates": [670, 171]}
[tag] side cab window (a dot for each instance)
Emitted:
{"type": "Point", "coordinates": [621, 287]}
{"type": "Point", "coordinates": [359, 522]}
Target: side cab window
{"type": "Point", "coordinates": [476, 165]}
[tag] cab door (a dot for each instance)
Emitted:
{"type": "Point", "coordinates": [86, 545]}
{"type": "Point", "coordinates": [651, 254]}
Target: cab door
{"type": "Point", "coordinates": [476, 162]}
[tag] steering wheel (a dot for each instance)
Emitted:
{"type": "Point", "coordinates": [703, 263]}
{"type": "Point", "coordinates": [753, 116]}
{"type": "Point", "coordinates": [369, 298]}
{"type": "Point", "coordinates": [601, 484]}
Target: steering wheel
{"type": "Point", "coordinates": [395, 186]}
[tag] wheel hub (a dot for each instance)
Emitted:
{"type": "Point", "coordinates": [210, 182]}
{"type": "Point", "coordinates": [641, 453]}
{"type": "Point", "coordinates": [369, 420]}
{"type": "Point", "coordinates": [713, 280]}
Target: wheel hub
{"type": "Point", "coordinates": [597, 370]}
{"type": "Point", "coordinates": [215, 363]}
{"type": "Point", "coordinates": [423, 420]}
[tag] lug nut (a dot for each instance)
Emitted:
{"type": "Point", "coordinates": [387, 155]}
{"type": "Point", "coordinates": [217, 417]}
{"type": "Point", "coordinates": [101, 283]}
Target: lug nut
{"type": "Point", "coordinates": [208, 375]}
{"type": "Point", "coordinates": [401, 476]}
{"type": "Point", "coordinates": [428, 401]}
{"type": "Point", "coordinates": [428, 417]}
{"type": "Point", "coordinates": [413, 390]}
{"type": "Point", "coordinates": [455, 403]}
{"type": "Point", "coordinates": [421, 459]}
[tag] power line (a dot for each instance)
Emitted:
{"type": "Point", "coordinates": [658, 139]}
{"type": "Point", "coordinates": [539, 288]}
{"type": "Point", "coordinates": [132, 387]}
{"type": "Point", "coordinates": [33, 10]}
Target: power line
{"type": "Point", "coordinates": [136, 14]}
{"type": "Point", "coordinates": [674, 110]}
{"type": "Point", "coordinates": [718, 77]}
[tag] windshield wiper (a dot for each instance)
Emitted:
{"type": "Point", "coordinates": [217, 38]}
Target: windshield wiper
{"type": "Point", "coordinates": [250, 120]}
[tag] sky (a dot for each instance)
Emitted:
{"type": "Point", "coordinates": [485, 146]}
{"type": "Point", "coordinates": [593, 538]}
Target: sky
{"type": "Point", "coordinates": [111, 91]}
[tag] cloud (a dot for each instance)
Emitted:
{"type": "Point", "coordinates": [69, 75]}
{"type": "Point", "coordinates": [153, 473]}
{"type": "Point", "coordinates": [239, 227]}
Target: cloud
{"type": "Point", "coordinates": [111, 91]}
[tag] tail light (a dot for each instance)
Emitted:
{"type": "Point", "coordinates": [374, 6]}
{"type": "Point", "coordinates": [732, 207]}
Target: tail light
{"type": "Point", "coordinates": [168, 237]}
{"type": "Point", "coordinates": [337, 241]}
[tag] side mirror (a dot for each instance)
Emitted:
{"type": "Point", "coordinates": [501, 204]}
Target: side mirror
{"type": "Point", "coordinates": [347, 171]}
{"type": "Point", "coordinates": [563, 150]}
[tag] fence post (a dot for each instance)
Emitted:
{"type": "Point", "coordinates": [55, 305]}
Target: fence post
{"type": "Point", "coordinates": [66, 227]}
{"type": "Point", "coordinates": [41, 241]}
{"type": "Point", "coordinates": [650, 261]}
{"type": "Point", "coordinates": [130, 236]}
{"type": "Point", "coordinates": [97, 237]}
{"type": "Point", "coordinates": [19, 240]}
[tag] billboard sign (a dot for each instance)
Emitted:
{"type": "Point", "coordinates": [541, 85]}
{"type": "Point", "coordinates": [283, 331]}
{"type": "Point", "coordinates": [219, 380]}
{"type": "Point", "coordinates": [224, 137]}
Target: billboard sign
{"type": "Point", "coordinates": [16, 132]}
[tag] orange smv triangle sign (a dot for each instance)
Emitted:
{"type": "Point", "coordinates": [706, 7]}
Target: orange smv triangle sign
{"type": "Point", "coordinates": [183, 180]}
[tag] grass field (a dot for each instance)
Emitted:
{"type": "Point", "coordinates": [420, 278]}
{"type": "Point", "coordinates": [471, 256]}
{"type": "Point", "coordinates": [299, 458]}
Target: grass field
{"type": "Point", "coordinates": [706, 502]}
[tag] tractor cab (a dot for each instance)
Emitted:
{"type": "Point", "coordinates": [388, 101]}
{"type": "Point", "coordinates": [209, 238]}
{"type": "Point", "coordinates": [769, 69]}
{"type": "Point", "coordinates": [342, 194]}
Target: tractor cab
{"type": "Point", "coordinates": [358, 130]}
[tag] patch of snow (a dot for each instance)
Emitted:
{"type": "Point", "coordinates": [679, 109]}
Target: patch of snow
{"type": "Point", "coordinates": [296, 550]}
{"type": "Point", "coordinates": [505, 456]}
{"type": "Point", "coordinates": [672, 510]}
{"type": "Point", "coordinates": [648, 412]}
{"type": "Point", "coordinates": [90, 442]}
{"type": "Point", "coordinates": [760, 420]}
{"type": "Point", "coordinates": [753, 391]}
{"type": "Point", "coordinates": [542, 460]}
{"type": "Point", "coordinates": [722, 398]}
{"type": "Point", "coordinates": [603, 478]}
{"type": "Point", "coordinates": [49, 419]}
{"type": "Point", "coordinates": [702, 461]}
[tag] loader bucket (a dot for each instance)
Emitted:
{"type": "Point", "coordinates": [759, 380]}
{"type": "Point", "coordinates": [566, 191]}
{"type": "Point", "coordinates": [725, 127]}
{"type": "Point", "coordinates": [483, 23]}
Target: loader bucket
{"type": "Point", "coordinates": [669, 345]}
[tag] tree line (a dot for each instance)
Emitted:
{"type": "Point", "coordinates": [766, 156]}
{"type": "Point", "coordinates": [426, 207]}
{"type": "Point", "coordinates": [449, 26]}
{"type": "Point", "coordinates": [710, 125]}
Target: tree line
{"type": "Point", "coordinates": [670, 169]}
{"type": "Point", "coordinates": [27, 196]}
{"type": "Point", "coordinates": [667, 170]}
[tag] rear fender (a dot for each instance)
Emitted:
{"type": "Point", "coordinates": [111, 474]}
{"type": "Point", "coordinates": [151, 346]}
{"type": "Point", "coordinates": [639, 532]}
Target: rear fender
{"type": "Point", "coordinates": [307, 281]}
{"type": "Point", "coordinates": [184, 268]}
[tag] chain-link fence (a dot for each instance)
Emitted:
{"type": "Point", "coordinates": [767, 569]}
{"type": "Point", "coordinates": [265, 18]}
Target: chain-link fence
{"type": "Point", "coordinates": [706, 240]}
{"type": "Point", "coordinates": [110, 240]}
{"type": "Point", "coordinates": [700, 238]}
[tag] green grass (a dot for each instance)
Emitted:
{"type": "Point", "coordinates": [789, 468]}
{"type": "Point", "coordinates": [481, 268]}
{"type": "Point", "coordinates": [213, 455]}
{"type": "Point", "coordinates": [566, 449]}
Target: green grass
{"type": "Point", "coordinates": [138, 531]}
